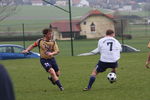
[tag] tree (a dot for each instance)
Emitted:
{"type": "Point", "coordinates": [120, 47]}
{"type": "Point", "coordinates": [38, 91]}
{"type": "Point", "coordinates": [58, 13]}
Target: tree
{"type": "Point", "coordinates": [7, 8]}
{"type": "Point", "coordinates": [51, 1]}
{"type": "Point", "coordinates": [120, 23]}
{"type": "Point", "coordinates": [146, 7]}
{"type": "Point", "coordinates": [18, 2]}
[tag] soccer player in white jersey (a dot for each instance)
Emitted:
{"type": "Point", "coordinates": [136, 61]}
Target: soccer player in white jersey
{"type": "Point", "coordinates": [109, 49]}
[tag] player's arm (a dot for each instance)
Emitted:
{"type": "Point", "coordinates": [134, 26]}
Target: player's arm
{"type": "Point", "coordinates": [119, 46]}
{"type": "Point", "coordinates": [30, 47]}
{"type": "Point", "coordinates": [55, 50]}
{"type": "Point", "coordinates": [99, 45]}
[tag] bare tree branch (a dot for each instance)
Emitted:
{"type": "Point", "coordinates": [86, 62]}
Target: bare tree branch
{"type": "Point", "coordinates": [7, 8]}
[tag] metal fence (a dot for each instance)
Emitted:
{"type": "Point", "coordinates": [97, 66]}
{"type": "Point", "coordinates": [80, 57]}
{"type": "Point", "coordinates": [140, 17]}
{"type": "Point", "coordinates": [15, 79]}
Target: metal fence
{"type": "Point", "coordinates": [21, 34]}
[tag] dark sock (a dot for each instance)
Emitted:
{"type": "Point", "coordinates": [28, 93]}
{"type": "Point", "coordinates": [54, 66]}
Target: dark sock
{"type": "Point", "coordinates": [51, 79]}
{"type": "Point", "coordinates": [91, 81]}
{"type": "Point", "coordinates": [58, 83]}
{"type": "Point", "coordinates": [113, 72]}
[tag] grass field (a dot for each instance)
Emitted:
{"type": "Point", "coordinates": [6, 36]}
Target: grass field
{"type": "Point", "coordinates": [31, 83]}
{"type": "Point", "coordinates": [30, 79]}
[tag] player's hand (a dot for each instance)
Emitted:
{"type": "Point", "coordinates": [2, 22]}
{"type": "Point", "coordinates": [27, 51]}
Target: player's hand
{"type": "Point", "coordinates": [49, 53]}
{"type": "Point", "coordinates": [25, 51]}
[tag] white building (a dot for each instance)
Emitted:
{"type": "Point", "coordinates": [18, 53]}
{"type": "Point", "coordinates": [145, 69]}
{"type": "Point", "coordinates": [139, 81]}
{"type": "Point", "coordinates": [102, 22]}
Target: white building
{"type": "Point", "coordinates": [126, 8]}
{"type": "Point", "coordinates": [37, 2]}
{"type": "Point", "coordinates": [83, 3]}
{"type": "Point", "coordinates": [61, 3]}
{"type": "Point", "coordinates": [148, 21]}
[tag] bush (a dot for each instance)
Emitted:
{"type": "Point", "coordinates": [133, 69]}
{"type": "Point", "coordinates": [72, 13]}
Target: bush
{"type": "Point", "coordinates": [80, 37]}
{"type": "Point", "coordinates": [126, 36]}
{"type": "Point", "coordinates": [19, 38]}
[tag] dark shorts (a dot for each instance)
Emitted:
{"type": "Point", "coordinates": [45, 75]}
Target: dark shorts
{"type": "Point", "coordinates": [49, 63]}
{"type": "Point", "coordinates": [102, 66]}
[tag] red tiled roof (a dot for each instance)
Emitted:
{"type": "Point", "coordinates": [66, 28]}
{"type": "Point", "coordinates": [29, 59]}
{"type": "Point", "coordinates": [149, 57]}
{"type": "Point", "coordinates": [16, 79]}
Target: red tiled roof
{"type": "Point", "coordinates": [76, 1]}
{"type": "Point", "coordinates": [109, 16]}
{"type": "Point", "coordinates": [96, 12]}
{"type": "Point", "coordinates": [64, 26]}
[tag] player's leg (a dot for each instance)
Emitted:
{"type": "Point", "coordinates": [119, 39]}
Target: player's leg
{"type": "Point", "coordinates": [91, 80]}
{"type": "Point", "coordinates": [53, 74]}
{"type": "Point", "coordinates": [51, 79]}
{"type": "Point", "coordinates": [55, 78]}
{"type": "Point", "coordinates": [113, 66]}
{"type": "Point", "coordinates": [100, 67]}
{"type": "Point", "coordinates": [46, 63]}
{"type": "Point", "coordinates": [56, 69]}
{"type": "Point", "coordinates": [113, 70]}
{"type": "Point", "coordinates": [58, 73]}
{"type": "Point", "coordinates": [55, 66]}
{"type": "Point", "coordinates": [148, 61]}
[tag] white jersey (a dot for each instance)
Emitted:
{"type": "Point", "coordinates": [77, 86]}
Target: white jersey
{"type": "Point", "coordinates": [109, 49]}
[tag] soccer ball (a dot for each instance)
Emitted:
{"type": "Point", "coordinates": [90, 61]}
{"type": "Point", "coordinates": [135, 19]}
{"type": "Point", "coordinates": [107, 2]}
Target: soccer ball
{"type": "Point", "coordinates": [111, 77]}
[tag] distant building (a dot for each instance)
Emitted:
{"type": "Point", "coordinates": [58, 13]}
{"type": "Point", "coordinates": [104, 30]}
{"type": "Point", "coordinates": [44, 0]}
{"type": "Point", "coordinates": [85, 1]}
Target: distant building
{"type": "Point", "coordinates": [148, 21]}
{"type": "Point", "coordinates": [126, 8]}
{"type": "Point", "coordinates": [92, 25]}
{"type": "Point", "coordinates": [75, 2]}
{"type": "Point", "coordinates": [61, 3]}
{"type": "Point", "coordinates": [62, 29]}
{"type": "Point", "coordinates": [83, 3]}
{"type": "Point", "coordinates": [95, 23]}
{"type": "Point", "coordinates": [27, 2]}
{"type": "Point", "coordinates": [37, 2]}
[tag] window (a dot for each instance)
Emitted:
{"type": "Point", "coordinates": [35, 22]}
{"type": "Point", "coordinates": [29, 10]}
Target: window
{"type": "Point", "coordinates": [8, 50]}
{"type": "Point", "coordinates": [92, 27]}
{"type": "Point", "coordinates": [17, 50]}
{"type": "Point", "coordinates": [2, 49]}
{"type": "Point", "coordinates": [84, 22]}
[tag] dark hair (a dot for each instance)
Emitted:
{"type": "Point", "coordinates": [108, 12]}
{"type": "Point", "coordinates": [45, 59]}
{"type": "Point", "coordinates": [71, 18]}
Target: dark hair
{"type": "Point", "coordinates": [46, 30]}
{"type": "Point", "coordinates": [109, 32]}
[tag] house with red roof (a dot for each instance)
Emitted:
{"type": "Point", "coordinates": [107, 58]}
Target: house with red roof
{"type": "Point", "coordinates": [62, 29]}
{"type": "Point", "coordinates": [92, 25]}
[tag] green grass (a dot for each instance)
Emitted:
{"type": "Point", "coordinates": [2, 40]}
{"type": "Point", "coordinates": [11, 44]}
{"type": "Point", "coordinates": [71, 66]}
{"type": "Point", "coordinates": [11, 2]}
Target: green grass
{"type": "Point", "coordinates": [30, 80]}
{"type": "Point", "coordinates": [138, 13]}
